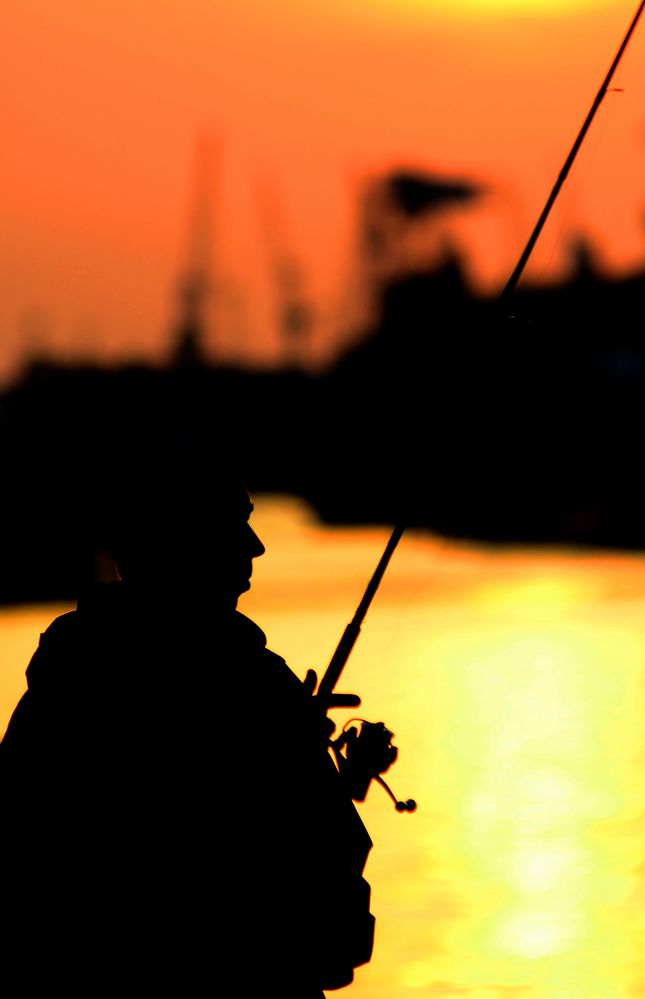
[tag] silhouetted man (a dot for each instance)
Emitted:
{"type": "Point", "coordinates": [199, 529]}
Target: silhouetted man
{"type": "Point", "coordinates": [172, 818]}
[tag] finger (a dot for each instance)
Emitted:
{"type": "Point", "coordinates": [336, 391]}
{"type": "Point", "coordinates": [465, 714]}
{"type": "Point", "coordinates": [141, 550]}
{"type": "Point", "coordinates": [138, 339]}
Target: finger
{"type": "Point", "coordinates": [344, 700]}
{"type": "Point", "coordinates": [310, 681]}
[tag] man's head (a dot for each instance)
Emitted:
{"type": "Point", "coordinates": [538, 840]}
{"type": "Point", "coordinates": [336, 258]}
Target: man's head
{"type": "Point", "coordinates": [177, 523]}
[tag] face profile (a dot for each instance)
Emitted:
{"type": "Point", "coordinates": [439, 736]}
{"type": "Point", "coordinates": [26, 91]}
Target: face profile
{"type": "Point", "coordinates": [231, 552]}
{"type": "Point", "coordinates": [178, 524]}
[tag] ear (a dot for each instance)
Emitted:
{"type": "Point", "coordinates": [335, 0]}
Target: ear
{"type": "Point", "coordinates": [106, 567]}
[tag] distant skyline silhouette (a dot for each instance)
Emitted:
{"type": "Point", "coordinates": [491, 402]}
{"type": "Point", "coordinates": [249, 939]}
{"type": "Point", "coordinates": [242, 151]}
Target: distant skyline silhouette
{"type": "Point", "coordinates": [447, 414]}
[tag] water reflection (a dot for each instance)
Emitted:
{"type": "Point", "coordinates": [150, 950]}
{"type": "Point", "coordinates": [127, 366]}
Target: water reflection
{"type": "Point", "coordinates": [514, 683]}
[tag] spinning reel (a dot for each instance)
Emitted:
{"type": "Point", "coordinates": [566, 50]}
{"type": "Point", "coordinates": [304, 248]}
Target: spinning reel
{"type": "Point", "coordinates": [363, 754]}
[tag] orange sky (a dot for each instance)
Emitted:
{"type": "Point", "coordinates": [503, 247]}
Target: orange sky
{"type": "Point", "coordinates": [103, 104]}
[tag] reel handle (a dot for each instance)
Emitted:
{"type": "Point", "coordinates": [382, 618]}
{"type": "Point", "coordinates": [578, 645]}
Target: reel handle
{"type": "Point", "coordinates": [368, 754]}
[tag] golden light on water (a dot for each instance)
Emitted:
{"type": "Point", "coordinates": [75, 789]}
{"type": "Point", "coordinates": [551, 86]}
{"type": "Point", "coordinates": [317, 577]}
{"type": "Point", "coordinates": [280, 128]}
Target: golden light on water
{"type": "Point", "coordinates": [514, 682]}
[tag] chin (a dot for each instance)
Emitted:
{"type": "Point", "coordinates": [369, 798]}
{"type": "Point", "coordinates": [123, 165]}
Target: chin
{"type": "Point", "coordinates": [242, 587]}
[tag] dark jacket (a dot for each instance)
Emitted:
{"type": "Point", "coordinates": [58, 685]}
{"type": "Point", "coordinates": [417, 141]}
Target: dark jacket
{"type": "Point", "coordinates": [171, 816]}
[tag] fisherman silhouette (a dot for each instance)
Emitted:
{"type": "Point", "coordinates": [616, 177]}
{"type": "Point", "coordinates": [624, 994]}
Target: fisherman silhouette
{"type": "Point", "coordinates": [171, 815]}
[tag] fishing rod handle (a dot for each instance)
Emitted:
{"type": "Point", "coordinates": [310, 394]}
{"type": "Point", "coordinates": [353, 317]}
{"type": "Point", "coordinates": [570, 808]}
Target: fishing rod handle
{"type": "Point", "coordinates": [338, 660]}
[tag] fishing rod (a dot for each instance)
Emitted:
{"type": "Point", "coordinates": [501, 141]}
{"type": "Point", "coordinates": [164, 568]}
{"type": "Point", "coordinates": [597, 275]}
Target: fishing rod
{"type": "Point", "coordinates": [511, 284]}
{"type": "Point", "coordinates": [362, 755]}
{"type": "Point", "coordinates": [352, 631]}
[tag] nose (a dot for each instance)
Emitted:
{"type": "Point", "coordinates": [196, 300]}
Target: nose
{"type": "Point", "coordinates": [256, 546]}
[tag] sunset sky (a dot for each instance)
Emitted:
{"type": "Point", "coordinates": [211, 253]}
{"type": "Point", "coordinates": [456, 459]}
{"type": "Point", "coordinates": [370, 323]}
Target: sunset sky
{"type": "Point", "coordinates": [104, 104]}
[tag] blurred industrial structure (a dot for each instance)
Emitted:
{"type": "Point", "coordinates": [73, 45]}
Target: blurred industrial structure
{"type": "Point", "coordinates": [447, 413]}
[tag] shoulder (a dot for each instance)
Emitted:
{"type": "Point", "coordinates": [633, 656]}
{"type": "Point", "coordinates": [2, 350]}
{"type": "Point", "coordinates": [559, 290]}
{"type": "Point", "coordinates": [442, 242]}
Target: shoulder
{"type": "Point", "coordinates": [58, 642]}
{"type": "Point", "coordinates": [48, 672]}
{"type": "Point", "coordinates": [248, 631]}
{"type": "Point", "coordinates": [62, 629]}
{"type": "Point", "coordinates": [276, 674]}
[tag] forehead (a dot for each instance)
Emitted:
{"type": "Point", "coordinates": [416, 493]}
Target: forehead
{"type": "Point", "coordinates": [225, 500]}
{"type": "Point", "coordinates": [245, 506]}
{"type": "Point", "coordinates": [189, 495]}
